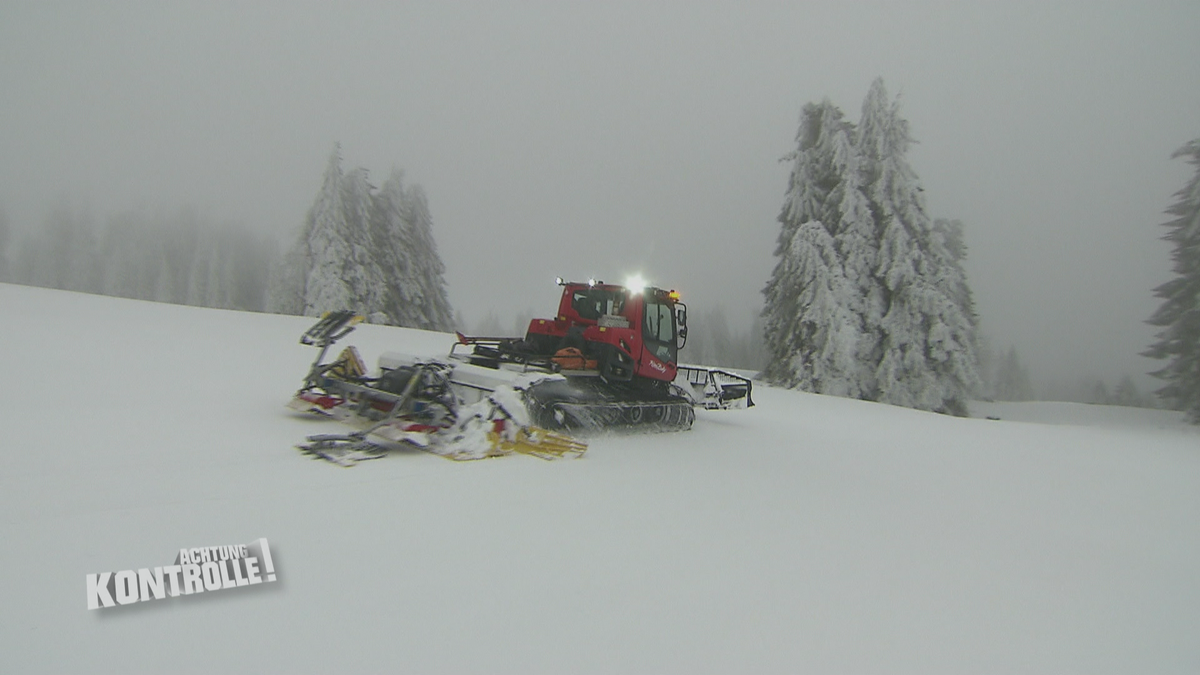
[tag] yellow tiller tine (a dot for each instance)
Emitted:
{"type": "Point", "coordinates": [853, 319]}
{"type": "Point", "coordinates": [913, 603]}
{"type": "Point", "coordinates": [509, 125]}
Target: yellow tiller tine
{"type": "Point", "coordinates": [541, 443]}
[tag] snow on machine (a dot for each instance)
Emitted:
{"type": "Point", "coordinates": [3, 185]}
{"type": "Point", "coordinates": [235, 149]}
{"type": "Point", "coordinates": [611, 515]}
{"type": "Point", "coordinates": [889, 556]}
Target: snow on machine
{"type": "Point", "coordinates": [607, 361]}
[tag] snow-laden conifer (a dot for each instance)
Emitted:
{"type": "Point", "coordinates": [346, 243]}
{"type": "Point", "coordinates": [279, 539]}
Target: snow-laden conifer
{"type": "Point", "coordinates": [857, 241]}
{"type": "Point", "coordinates": [5, 234]}
{"type": "Point", "coordinates": [927, 357]}
{"type": "Point", "coordinates": [951, 247]}
{"type": "Point", "coordinates": [813, 314]}
{"type": "Point", "coordinates": [1179, 315]}
{"type": "Point", "coordinates": [427, 272]}
{"type": "Point", "coordinates": [1010, 381]}
{"type": "Point", "coordinates": [324, 247]}
{"type": "Point", "coordinates": [391, 233]}
{"type": "Point", "coordinates": [332, 264]}
{"type": "Point", "coordinates": [285, 287]}
{"type": "Point", "coordinates": [1127, 394]}
{"type": "Point", "coordinates": [365, 249]}
{"type": "Point", "coordinates": [360, 270]}
{"type": "Point", "coordinates": [813, 337]}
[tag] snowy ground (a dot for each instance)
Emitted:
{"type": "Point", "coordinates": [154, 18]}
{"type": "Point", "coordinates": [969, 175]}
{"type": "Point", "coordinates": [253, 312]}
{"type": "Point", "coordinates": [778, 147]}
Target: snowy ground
{"type": "Point", "coordinates": [809, 534]}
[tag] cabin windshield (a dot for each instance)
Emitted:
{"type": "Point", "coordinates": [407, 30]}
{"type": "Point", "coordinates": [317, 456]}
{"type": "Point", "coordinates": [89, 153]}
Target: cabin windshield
{"type": "Point", "coordinates": [591, 303]}
{"type": "Point", "coordinates": [659, 330]}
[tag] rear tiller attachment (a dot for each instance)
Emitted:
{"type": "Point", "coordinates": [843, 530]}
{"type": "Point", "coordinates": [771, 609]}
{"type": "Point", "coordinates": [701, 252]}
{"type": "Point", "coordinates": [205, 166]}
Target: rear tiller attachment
{"type": "Point", "coordinates": [419, 402]}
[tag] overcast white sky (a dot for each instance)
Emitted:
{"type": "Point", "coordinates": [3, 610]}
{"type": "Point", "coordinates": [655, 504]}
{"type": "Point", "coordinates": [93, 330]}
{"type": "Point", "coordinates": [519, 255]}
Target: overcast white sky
{"type": "Point", "coordinates": [606, 138]}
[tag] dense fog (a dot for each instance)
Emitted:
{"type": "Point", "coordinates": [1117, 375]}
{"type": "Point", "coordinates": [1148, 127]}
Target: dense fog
{"type": "Point", "coordinates": [173, 151]}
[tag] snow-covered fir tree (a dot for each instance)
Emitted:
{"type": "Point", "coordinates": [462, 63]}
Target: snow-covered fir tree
{"type": "Point", "coordinates": [332, 279]}
{"type": "Point", "coordinates": [368, 250]}
{"type": "Point", "coordinates": [201, 286]}
{"type": "Point", "coordinates": [1127, 394]}
{"type": "Point", "coordinates": [1011, 381]}
{"type": "Point", "coordinates": [285, 287]}
{"type": "Point", "coordinates": [120, 253]}
{"type": "Point", "coordinates": [813, 318]}
{"type": "Point", "coordinates": [334, 248]}
{"type": "Point", "coordinates": [61, 254]}
{"type": "Point", "coordinates": [876, 304]}
{"type": "Point", "coordinates": [427, 273]}
{"type": "Point", "coordinates": [927, 341]}
{"type": "Point", "coordinates": [391, 227]}
{"type": "Point", "coordinates": [812, 334]}
{"type": "Point", "coordinates": [361, 271]}
{"type": "Point", "coordinates": [1179, 315]}
{"type": "Point", "coordinates": [308, 280]}
{"type": "Point", "coordinates": [857, 239]}
{"type": "Point", "coordinates": [412, 287]}
{"type": "Point", "coordinates": [4, 237]}
{"type": "Point", "coordinates": [952, 276]}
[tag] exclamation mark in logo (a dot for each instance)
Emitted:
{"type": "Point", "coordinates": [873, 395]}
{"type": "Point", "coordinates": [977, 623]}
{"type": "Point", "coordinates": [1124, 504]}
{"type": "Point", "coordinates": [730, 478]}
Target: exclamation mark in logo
{"type": "Point", "coordinates": [268, 566]}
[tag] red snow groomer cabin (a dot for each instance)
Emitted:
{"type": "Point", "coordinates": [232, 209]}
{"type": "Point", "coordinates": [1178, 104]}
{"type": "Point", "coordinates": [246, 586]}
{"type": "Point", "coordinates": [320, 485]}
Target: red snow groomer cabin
{"type": "Point", "coordinates": [620, 332]}
{"type": "Point", "coordinates": [619, 350]}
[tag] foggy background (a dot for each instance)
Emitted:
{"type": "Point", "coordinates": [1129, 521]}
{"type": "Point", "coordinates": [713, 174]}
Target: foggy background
{"type": "Point", "coordinates": [611, 138]}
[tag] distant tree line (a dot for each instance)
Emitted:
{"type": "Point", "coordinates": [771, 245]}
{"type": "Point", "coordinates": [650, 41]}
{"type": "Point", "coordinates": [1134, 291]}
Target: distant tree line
{"type": "Point", "coordinates": [868, 298]}
{"type": "Point", "coordinates": [361, 248]}
{"type": "Point", "coordinates": [181, 257]}
{"type": "Point", "coordinates": [1004, 377]}
{"type": "Point", "coordinates": [713, 341]}
{"type": "Point", "coordinates": [1125, 394]}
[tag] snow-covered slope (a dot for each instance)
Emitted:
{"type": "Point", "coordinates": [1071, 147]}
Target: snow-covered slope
{"type": "Point", "coordinates": [808, 534]}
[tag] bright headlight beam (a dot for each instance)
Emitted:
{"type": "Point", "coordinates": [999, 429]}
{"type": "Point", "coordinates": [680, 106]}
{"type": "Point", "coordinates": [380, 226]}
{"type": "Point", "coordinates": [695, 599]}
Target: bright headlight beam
{"type": "Point", "coordinates": [635, 282]}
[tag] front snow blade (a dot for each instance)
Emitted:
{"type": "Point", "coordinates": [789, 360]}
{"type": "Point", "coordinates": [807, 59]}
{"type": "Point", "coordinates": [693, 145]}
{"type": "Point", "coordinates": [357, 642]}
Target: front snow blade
{"type": "Point", "coordinates": [716, 389]}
